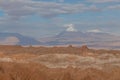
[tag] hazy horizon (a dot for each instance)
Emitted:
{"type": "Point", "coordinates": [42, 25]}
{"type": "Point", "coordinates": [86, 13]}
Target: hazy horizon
{"type": "Point", "coordinates": [41, 18]}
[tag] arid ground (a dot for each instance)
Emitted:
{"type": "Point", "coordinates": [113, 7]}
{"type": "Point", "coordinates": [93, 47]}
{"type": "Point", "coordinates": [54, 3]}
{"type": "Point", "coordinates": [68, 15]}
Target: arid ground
{"type": "Point", "coordinates": [58, 63]}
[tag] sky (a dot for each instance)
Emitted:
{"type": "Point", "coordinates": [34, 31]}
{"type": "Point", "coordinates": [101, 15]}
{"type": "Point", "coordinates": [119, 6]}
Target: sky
{"type": "Point", "coordinates": [43, 18]}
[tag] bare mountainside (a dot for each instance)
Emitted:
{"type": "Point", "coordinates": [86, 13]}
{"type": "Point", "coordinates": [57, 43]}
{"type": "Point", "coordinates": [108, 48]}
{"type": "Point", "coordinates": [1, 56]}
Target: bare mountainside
{"type": "Point", "coordinates": [16, 39]}
{"type": "Point", "coordinates": [58, 63]}
{"type": "Point", "coordinates": [92, 39]}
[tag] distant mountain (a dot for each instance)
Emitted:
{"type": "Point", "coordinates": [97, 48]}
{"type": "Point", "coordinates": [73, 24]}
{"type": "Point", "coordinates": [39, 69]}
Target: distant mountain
{"type": "Point", "coordinates": [78, 38]}
{"type": "Point", "coordinates": [92, 39]}
{"type": "Point", "coordinates": [16, 39]}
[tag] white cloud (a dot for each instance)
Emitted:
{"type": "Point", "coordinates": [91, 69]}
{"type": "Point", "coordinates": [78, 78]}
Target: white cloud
{"type": "Point", "coordinates": [61, 0]}
{"type": "Point", "coordinates": [70, 28]}
{"type": "Point", "coordinates": [20, 8]}
{"type": "Point", "coordinates": [113, 7]}
{"type": "Point", "coordinates": [103, 1]}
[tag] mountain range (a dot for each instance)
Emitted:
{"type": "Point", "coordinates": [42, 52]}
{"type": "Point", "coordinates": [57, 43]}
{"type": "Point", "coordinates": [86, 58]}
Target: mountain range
{"type": "Point", "coordinates": [92, 39]}
{"type": "Point", "coordinates": [78, 38]}
{"type": "Point", "coordinates": [16, 39]}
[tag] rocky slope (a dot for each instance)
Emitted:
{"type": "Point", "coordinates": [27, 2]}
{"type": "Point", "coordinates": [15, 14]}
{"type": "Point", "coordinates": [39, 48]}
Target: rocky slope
{"type": "Point", "coordinates": [58, 63]}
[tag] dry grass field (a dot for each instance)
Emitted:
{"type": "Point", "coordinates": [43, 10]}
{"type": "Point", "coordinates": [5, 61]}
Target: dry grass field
{"type": "Point", "coordinates": [58, 63]}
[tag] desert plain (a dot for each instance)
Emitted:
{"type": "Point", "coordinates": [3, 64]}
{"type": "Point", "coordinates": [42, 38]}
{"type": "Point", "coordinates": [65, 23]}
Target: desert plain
{"type": "Point", "coordinates": [58, 63]}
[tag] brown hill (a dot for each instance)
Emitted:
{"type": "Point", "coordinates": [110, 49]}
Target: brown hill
{"type": "Point", "coordinates": [58, 63]}
{"type": "Point", "coordinates": [18, 71]}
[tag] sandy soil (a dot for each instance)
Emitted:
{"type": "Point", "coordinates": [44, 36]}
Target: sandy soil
{"type": "Point", "coordinates": [58, 63]}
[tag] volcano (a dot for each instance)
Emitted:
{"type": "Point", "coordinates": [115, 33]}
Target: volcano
{"type": "Point", "coordinates": [92, 39]}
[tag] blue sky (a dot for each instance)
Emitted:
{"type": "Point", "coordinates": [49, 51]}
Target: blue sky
{"type": "Point", "coordinates": [41, 18]}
